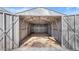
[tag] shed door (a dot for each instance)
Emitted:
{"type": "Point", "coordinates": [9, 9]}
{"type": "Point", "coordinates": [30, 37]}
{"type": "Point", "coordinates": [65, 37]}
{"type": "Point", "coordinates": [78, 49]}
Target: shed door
{"type": "Point", "coordinates": [38, 28]}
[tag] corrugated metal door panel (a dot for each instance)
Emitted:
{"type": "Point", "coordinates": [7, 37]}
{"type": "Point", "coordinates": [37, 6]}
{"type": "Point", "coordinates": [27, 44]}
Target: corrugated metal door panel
{"type": "Point", "coordinates": [70, 40]}
{"type": "Point", "coordinates": [8, 22]}
{"type": "Point", "coordinates": [1, 30]}
{"type": "Point", "coordinates": [71, 33]}
{"type": "Point", "coordinates": [7, 27]}
{"type": "Point", "coordinates": [64, 32]}
{"type": "Point", "coordinates": [77, 31]}
{"type": "Point", "coordinates": [16, 32]}
{"type": "Point", "coordinates": [9, 34]}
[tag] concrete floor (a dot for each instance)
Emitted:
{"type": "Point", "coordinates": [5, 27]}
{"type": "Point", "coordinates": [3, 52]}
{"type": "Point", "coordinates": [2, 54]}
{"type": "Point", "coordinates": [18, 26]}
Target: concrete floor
{"type": "Point", "coordinates": [40, 42]}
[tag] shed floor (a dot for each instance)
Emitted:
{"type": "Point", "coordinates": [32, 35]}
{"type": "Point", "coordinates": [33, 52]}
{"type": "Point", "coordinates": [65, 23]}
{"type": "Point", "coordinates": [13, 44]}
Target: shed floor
{"type": "Point", "coordinates": [40, 42]}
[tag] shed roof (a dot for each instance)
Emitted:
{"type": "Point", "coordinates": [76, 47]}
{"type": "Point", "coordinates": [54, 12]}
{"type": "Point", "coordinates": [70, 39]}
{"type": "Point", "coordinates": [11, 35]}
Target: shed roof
{"type": "Point", "coordinates": [3, 10]}
{"type": "Point", "coordinates": [40, 11]}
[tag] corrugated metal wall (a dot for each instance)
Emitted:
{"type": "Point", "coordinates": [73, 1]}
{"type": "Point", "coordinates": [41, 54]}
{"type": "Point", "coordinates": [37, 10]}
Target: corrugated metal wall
{"type": "Point", "coordinates": [24, 29]}
{"type": "Point", "coordinates": [49, 29]}
{"type": "Point", "coordinates": [56, 29]}
{"type": "Point", "coordinates": [9, 31]}
{"type": "Point", "coordinates": [39, 28]}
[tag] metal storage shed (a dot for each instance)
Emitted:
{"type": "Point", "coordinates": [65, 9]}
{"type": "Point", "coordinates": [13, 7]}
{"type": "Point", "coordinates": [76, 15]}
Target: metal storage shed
{"type": "Point", "coordinates": [40, 20]}
{"type": "Point", "coordinates": [14, 28]}
{"type": "Point", "coordinates": [63, 27]}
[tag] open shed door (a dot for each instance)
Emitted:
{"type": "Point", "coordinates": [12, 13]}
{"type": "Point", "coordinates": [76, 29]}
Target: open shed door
{"type": "Point", "coordinates": [70, 32]}
{"type": "Point", "coordinates": [9, 31]}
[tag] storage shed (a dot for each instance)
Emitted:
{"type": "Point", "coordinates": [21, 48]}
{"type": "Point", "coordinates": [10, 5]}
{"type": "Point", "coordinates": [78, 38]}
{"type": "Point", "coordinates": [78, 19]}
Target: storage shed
{"type": "Point", "coordinates": [15, 28]}
{"type": "Point", "coordinates": [40, 20]}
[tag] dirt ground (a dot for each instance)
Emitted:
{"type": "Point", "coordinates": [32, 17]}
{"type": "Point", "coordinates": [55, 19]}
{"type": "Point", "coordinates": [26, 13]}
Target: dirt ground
{"type": "Point", "coordinates": [40, 41]}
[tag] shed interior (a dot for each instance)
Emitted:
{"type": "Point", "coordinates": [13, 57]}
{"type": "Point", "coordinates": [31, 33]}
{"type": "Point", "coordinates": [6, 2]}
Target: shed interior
{"type": "Point", "coordinates": [50, 25]}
